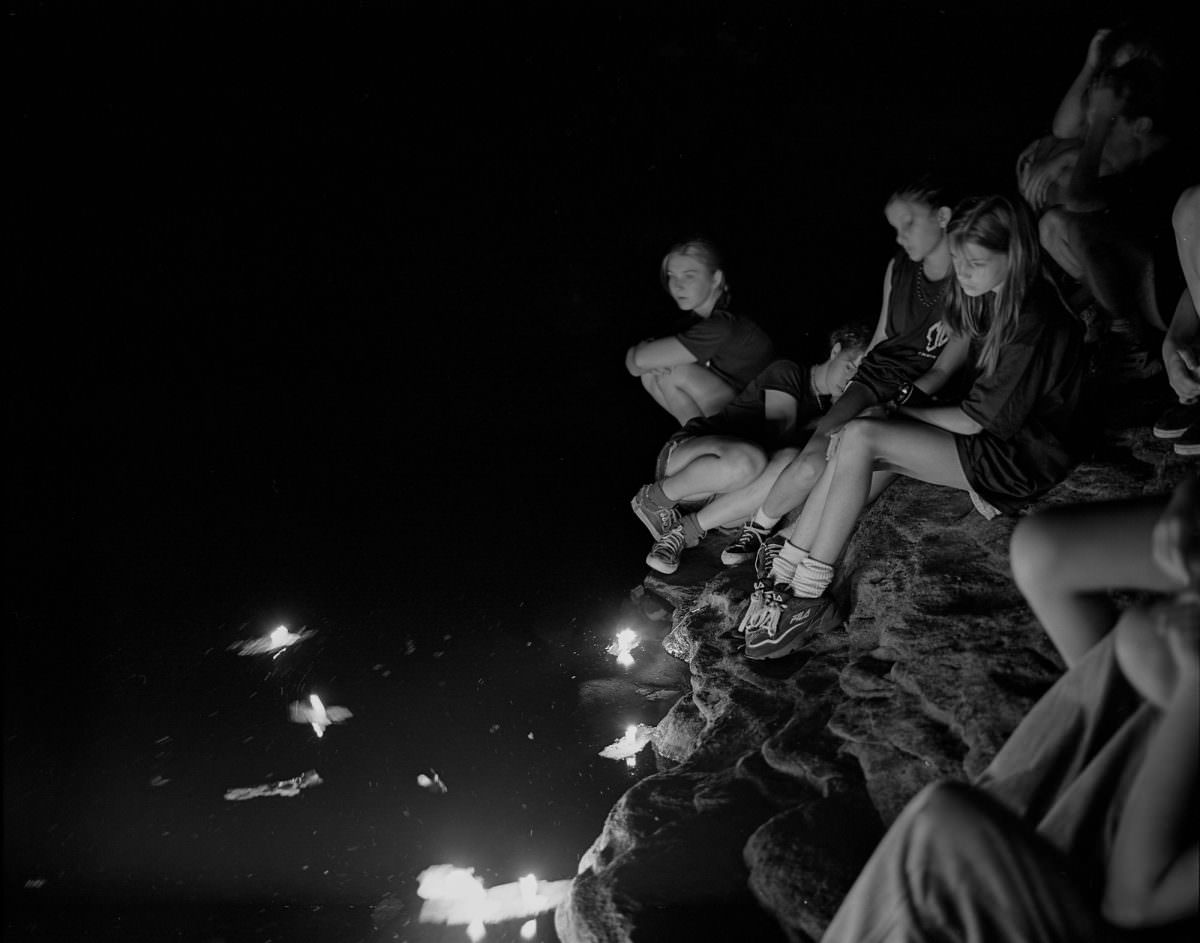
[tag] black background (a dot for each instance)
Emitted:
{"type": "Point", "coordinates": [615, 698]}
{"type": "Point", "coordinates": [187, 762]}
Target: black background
{"type": "Point", "coordinates": [333, 311]}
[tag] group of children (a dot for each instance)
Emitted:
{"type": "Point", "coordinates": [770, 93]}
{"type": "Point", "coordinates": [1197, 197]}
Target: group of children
{"type": "Point", "coordinates": [994, 310]}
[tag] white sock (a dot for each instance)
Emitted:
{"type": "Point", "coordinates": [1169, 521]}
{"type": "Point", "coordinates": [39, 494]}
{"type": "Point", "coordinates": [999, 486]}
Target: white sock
{"type": "Point", "coordinates": [762, 521]}
{"type": "Point", "coordinates": [812, 578]}
{"type": "Point", "coordinates": [784, 567]}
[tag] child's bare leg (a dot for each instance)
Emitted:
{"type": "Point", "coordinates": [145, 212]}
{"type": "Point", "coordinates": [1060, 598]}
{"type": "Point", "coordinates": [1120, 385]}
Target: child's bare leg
{"type": "Point", "coordinates": [739, 506]}
{"type": "Point", "coordinates": [711, 465]}
{"type": "Point", "coordinates": [1066, 559]}
{"type": "Point", "coordinates": [691, 390]}
{"type": "Point", "coordinates": [892, 446]}
{"type": "Point", "coordinates": [1143, 655]}
{"type": "Point", "coordinates": [794, 483]}
{"type": "Point", "coordinates": [1112, 264]}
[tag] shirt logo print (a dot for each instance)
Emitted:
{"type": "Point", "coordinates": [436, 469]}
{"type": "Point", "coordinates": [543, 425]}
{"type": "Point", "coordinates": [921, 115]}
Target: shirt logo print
{"type": "Point", "coordinates": [936, 337]}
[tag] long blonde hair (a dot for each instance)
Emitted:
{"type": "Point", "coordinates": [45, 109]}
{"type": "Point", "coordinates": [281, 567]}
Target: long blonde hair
{"type": "Point", "coordinates": [1000, 225]}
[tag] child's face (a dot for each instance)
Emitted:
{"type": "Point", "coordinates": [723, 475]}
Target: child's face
{"type": "Point", "coordinates": [843, 364]}
{"type": "Point", "coordinates": [977, 269]}
{"type": "Point", "coordinates": [690, 282]}
{"type": "Point", "coordinates": [918, 230]}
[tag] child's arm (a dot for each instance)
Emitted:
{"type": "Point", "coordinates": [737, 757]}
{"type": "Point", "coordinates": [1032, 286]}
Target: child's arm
{"type": "Point", "coordinates": [881, 327]}
{"type": "Point", "coordinates": [1082, 193]}
{"type": "Point", "coordinates": [951, 358]}
{"type": "Point", "coordinates": [1069, 119]}
{"type": "Point", "coordinates": [1182, 337]}
{"type": "Point", "coordinates": [1154, 866]}
{"type": "Point", "coordinates": [652, 355]}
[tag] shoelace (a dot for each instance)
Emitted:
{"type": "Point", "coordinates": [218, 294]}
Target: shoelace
{"type": "Point", "coordinates": [750, 617]}
{"type": "Point", "coordinates": [748, 539]}
{"type": "Point", "coordinates": [669, 544]}
{"type": "Point", "coordinates": [769, 613]}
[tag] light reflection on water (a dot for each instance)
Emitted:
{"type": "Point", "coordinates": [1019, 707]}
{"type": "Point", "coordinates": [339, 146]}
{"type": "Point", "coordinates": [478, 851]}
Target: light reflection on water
{"type": "Point", "coordinates": [511, 720]}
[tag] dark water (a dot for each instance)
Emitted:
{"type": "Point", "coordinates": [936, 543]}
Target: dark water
{"type": "Point", "coordinates": [325, 329]}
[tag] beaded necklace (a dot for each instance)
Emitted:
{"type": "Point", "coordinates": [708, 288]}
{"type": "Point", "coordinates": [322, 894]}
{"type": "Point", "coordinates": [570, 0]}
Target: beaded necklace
{"type": "Point", "coordinates": [927, 301]}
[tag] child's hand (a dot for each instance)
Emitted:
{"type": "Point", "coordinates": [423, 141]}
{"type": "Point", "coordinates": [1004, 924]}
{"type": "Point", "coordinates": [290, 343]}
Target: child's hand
{"type": "Point", "coordinates": [1184, 376]}
{"type": "Point", "coordinates": [1175, 541]}
{"type": "Point", "coordinates": [1040, 177]}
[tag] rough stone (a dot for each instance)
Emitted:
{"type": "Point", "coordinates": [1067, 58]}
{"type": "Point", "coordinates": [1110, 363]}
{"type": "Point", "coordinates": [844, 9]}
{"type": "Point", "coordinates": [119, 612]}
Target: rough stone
{"type": "Point", "coordinates": [777, 778]}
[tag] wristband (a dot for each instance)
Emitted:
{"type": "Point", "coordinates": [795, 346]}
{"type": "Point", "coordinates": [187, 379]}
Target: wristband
{"type": "Point", "coordinates": [912, 395]}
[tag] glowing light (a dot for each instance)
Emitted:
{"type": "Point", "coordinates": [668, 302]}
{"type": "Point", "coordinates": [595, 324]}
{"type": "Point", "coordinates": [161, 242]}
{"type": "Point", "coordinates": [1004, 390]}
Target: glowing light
{"type": "Point", "coordinates": [433, 783]}
{"type": "Point", "coordinates": [528, 886]}
{"type": "Point", "coordinates": [529, 930]}
{"type": "Point", "coordinates": [625, 748]}
{"type": "Point", "coordinates": [453, 895]}
{"type": "Point", "coordinates": [446, 882]}
{"type": "Point", "coordinates": [626, 642]}
{"type": "Point", "coordinates": [276, 641]}
{"type": "Point", "coordinates": [476, 931]}
{"type": "Point", "coordinates": [317, 715]}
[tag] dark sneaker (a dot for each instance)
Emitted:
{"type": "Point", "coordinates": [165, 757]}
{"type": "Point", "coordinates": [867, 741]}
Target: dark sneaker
{"type": "Point", "coordinates": [745, 547]}
{"type": "Point", "coordinates": [664, 555]}
{"type": "Point", "coordinates": [1177, 420]}
{"type": "Point", "coordinates": [1189, 442]}
{"type": "Point", "coordinates": [799, 622]}
{"type": "Point", "coordinates": [658, 520]}
{"type": "Point", "coordinates": [765, 559]}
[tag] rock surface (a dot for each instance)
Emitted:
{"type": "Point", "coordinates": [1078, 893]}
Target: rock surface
{"type": "Point", "coordinates": [778, 778]}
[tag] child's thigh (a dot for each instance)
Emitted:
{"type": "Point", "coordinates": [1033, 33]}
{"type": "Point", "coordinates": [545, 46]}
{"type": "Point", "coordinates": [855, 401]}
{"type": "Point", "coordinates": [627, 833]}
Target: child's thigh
{"type": "Point", "coordinates": [1106, 545]}
{"type": "Point", "coordinates": [708, 390]}
{"type": "Point", "coordinates": [706, 446]}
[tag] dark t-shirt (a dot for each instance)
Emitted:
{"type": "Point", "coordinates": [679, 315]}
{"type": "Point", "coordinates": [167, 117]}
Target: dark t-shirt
{"type": "Point", "coordinates": [1026, 407]}
{"type": "Point", "coordinates": [745, 417]}
{"type": "Point", "coordinates": [734, 348]}
{"type": "Point", "coordinates": [916, 330]}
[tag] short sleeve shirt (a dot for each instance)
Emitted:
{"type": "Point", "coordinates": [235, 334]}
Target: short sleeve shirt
{"type": "Point", "coordinates": [734, 348]}
{"type": "Point", "coordinates": [745, 416]}
{"type": "Point", "coordinates": [1026, 407]}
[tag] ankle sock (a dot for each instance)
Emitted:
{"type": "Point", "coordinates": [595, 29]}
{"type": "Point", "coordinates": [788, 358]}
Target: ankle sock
{"type": "Point", "coordinates": [812, 578]}
{"type": "Point", "coordinates": [785, 565]}
{"type": "Point", "coordinates": [763, 522]}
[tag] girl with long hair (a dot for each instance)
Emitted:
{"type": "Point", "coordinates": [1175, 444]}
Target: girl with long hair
{"type": "Point", "coordinates": [1007, 442]}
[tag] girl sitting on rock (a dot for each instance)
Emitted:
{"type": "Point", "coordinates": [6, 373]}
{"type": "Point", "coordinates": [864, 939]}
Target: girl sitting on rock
{"type": "Point", "coordinates": [1005, 443]}
{"type": "Point", "coordinates": [701, 368]}
{"type": "Point", "coordinates": [913, 353]}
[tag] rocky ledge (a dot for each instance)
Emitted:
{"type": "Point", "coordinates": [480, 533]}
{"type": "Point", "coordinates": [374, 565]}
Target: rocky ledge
{"type": "Point", "coordinates": [776, 779]}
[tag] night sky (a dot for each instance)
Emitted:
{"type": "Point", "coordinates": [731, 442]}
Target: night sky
{"type": "Point", "coordinates": [330, 320]}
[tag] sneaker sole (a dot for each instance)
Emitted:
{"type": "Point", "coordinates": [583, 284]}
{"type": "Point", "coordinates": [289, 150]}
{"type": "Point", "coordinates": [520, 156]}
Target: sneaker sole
{"type": "Point", "coordinates": [1169, 433]}
{"type": "Point", "coordinates": [1188, 450]}
{"type": "Point", "coordinates": [659, 566]}
{"type": "Point", "coordinates": [733, 559]}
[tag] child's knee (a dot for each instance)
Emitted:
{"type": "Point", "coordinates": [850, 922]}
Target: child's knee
{"type": "Point", "coordinates": [1033, 551]}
